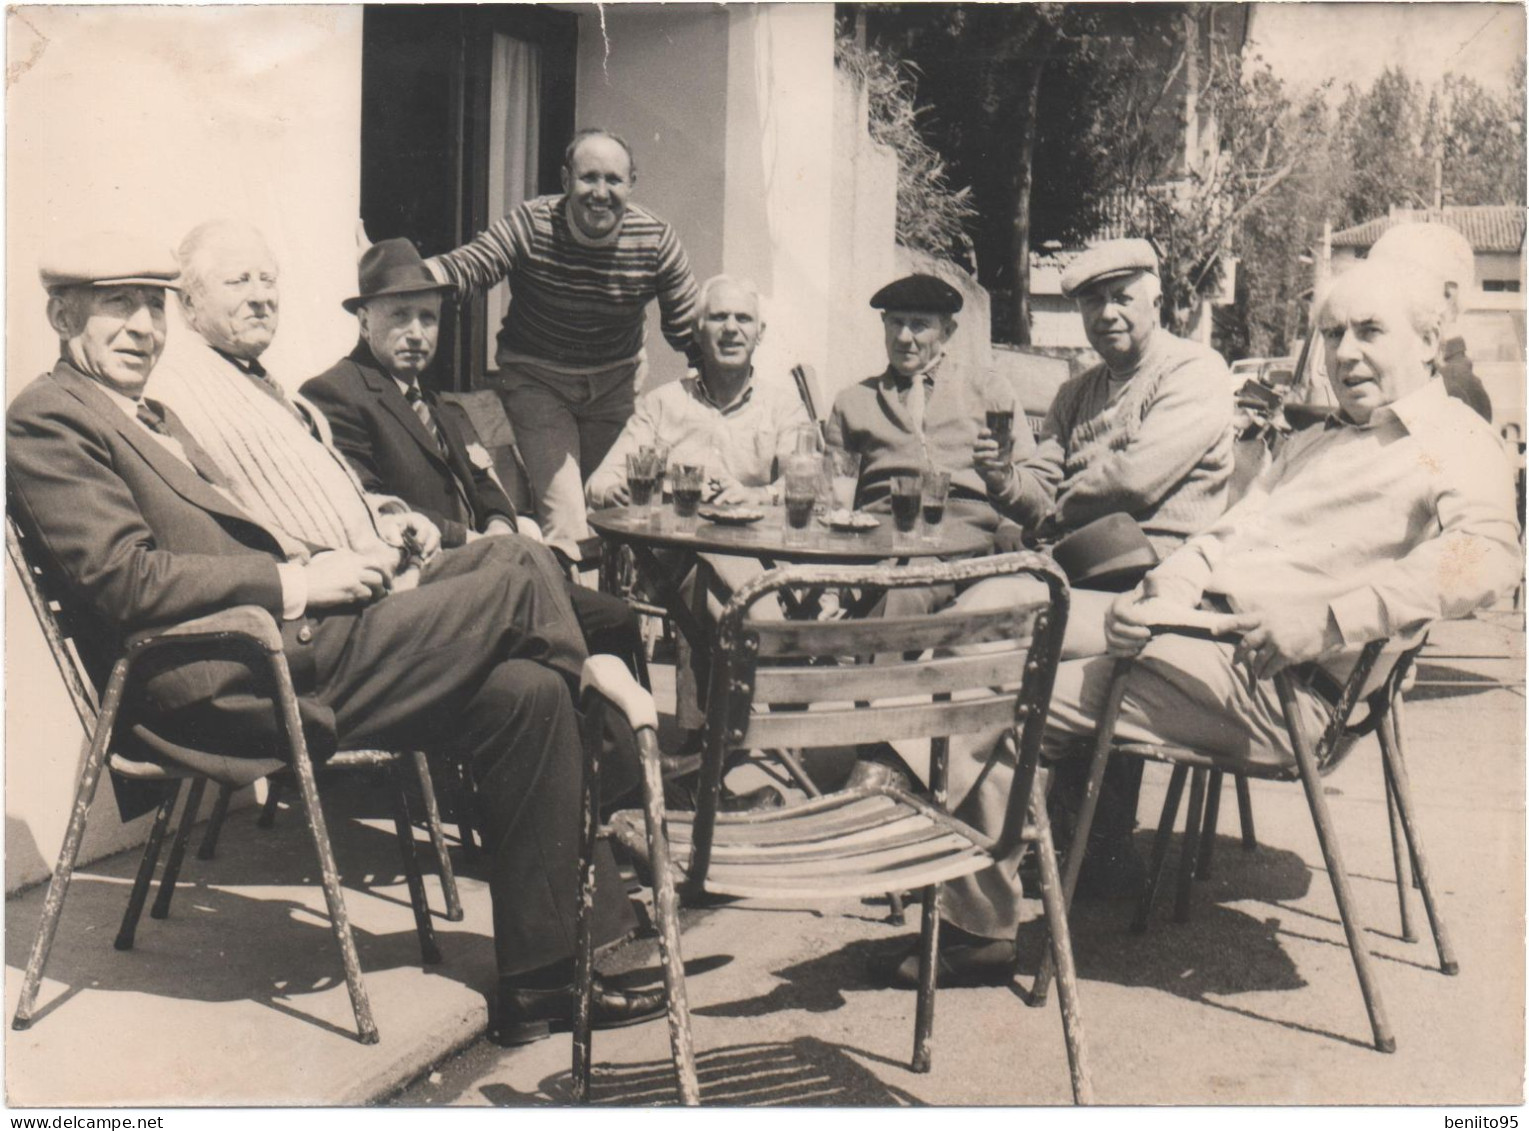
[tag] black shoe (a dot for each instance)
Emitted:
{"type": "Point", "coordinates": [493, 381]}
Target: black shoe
{"type": "Point", "coordinates": [965, 960]}
{"type": "Point", "coordinates": [523, 1016]}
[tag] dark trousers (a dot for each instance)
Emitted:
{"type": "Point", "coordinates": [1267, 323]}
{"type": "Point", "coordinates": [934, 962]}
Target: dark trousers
{"type": "Point", "coordinates": [478, 663]}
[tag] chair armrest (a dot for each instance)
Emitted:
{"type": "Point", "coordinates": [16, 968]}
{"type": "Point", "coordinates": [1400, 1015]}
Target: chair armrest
{"type": "Point", "coordinates": [1200, 624]}
{"type": "Point", "coordinates": [248, 621]}
{"type": "Point", "coordinates": [609, 677]}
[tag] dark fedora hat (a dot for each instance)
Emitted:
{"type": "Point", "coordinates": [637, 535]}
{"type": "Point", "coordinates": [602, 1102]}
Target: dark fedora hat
{"type": "Point", "coordinates": [1110, 553]}
{"type": "Point", "coordinates": [393, 267]}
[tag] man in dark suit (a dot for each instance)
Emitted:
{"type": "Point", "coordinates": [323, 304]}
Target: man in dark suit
{"type": "Point", "coordinates": [475, 660]}
{"type": "Point", "coordinates": [388, 424]}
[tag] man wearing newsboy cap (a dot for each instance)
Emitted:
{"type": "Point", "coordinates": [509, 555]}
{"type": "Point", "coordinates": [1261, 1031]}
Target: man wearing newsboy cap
{"type": "Point", "coordinates": [924, 409]}
{"type": "Point", "coordinates": [477, 660]}
{"type": "Point", "coordinates": [1148, 431]}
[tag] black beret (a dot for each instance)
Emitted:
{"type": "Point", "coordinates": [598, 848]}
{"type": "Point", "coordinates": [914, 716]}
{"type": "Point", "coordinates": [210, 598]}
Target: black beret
{"type": "Point", "coordinates": [918, 292]}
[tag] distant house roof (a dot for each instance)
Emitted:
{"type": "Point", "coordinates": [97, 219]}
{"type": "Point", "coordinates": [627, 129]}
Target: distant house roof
{"type": "Point", "coordinates": [1488, 227]}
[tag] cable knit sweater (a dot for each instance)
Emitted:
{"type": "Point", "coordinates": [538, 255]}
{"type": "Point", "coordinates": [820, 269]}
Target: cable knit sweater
{"type": "Point", "coordinates": [1158, 447]}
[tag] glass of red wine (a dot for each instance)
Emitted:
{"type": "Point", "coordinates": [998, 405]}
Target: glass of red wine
{"type": "Point", "coordinates": [935, 490]}
{"type": "Point", "coordinates": [686, 482]}
{"type": "Point", "coordinates": [907, 496]}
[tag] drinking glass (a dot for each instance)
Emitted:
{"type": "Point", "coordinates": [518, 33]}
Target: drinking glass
{"type": "Point", "coordinates": [660, 455]}
{"type": "Point", "coordinates": [843, 469]}
{"type": "Point", "coordinates": [1000, 422]}
{"type": "Point", "coordinates": [641, 478]}
{"type": "Point", "coordinates": [907, 494]}
{"type": "Point", "coordinates": [936, 488]}
{"type": "Point", "coordinates": [803, 475]}
{"type": "Point", "coordinates": [686, 482]}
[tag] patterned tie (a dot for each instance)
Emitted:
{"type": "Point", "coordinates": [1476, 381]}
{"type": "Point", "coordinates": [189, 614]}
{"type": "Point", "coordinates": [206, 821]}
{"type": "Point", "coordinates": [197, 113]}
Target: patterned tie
{"type": "Point", "coordinates": [151, 414]}
{"type": "Point", "coordinates": [421, 409]}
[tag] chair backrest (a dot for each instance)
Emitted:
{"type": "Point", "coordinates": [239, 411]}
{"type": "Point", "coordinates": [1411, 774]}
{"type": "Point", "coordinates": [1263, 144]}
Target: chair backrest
{"type": "Point", "coordinates": [53, 614]}
{"type": "Point", "coordinates": [784, 684]}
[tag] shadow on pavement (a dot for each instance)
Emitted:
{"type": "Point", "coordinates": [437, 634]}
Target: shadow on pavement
{"type": "Point", "coordinates": [805, 1072]}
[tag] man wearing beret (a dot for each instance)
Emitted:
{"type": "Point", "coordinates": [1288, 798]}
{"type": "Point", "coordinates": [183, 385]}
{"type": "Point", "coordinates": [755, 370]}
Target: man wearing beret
{"type": "Point", "coordinates": [924, 410]}
{"type": "Point", "coordinates": [1148, 431]}
{"type": "Point", "coordinates": [477, 659]}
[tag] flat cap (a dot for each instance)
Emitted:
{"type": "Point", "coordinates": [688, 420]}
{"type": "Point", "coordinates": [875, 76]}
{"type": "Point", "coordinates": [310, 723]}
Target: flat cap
{"type": "Point", "coordinates": [1106, 261]}
{"type": "Point", "coordinates": [918, 292]}
{"type": "Point", "coordinates": [104, 259]}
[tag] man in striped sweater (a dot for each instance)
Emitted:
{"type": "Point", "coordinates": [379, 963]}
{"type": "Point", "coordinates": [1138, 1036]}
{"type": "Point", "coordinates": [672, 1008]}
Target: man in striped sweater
{"type": "Point", "coordinates": [582, 268]}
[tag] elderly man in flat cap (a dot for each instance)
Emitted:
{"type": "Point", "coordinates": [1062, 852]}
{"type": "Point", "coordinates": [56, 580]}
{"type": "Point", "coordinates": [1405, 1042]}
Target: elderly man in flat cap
{"type": "Point", "coordinates": [1148, 431]}
{"type": "Point", "coordinates": [924, 410]}
{"type": "Point", "coordinates": [478, 660]}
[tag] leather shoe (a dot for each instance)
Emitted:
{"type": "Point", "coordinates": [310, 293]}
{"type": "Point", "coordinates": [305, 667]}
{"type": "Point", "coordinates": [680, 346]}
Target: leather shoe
{"type": "Point", "coordinates": [970, 962]}
{"type": "Point", "coordinates": [522, 1016]}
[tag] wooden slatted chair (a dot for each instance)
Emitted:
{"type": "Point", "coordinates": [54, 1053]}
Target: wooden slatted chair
{"type": "Point", "coordinates": [247, 633]}
{"type": "Point", "coordinates": [1313, 761]}
{"type": "Point", "coordinates": [854, 842]}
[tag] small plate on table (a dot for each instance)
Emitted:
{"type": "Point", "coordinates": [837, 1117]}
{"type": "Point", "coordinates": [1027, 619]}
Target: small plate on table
{"type": "Point", "coordinates": [852, 522]}
{"type": "Point", "coordinates": [730, 516]}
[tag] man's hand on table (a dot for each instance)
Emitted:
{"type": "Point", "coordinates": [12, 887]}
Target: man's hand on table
{"type": "Point", "coordinates": [619, 495]}
{"type": "Point", "coordinates": [737, 495]}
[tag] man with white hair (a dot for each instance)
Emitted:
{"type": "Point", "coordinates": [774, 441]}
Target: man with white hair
{"type": "Point", "coordinates": [737, 423]}
{"type": "Point", "coordinates": [1444, 252]}
{"type": "Point", "coordinates": [1396, 513]}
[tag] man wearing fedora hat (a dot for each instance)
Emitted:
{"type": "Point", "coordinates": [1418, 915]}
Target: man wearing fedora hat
{"type": "Point", "coordinates": [386, 421]}
{"type": "Point", "coordinates": [477, 660]}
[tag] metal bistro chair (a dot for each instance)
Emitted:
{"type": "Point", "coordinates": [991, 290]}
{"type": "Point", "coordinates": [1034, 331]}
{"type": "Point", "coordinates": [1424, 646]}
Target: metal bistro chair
{"type": "Point", "coordinates": [246, 632]}
{"type": "Point", "coordinates": [1312, 763]}
{"type": "Point", "coordinates": [852, 843]}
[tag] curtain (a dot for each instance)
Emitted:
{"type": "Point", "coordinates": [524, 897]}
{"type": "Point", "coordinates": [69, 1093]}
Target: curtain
{"type": "Point", "coordinates": [513, 147]}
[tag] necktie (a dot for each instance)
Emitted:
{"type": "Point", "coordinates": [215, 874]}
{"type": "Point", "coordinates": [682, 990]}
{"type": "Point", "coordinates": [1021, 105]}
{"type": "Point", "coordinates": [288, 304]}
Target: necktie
{"type": "Point", "coordinates": [421, 409]}
{"type": "Point", "coordinates": [151, 414]}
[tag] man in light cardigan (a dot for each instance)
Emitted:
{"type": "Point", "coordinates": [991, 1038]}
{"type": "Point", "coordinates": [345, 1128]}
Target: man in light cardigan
{"type": "Point", "coordinates": [1148, 431]}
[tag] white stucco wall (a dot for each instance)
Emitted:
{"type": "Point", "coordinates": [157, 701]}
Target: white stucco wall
{"type": "Point", "coordinates": [152, 119]}
{"type": "Point", "coordinates": [725, 108]}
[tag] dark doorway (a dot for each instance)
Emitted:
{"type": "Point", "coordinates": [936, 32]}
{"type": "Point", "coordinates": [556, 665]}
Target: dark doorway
{"type": "Point", "coordinates": [464, 111]}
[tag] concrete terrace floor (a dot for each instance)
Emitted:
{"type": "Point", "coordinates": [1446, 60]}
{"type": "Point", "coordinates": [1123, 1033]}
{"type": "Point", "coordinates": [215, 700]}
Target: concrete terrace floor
{"type": "Point", "coordinates": [238, 998]}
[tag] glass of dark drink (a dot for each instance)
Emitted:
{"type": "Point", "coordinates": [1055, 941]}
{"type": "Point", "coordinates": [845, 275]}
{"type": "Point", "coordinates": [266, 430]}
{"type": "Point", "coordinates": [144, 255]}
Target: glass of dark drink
{"type": "Point", "coordinates": [935, 490]}
{"type": "Point", "coordinates": [641, 479]}
{"type": "Point", "coordinates": [907, 495]}
{"type": "Point", "coordinates": [803, 478]}
{"type": "Point", "coordinates": [686, 482]}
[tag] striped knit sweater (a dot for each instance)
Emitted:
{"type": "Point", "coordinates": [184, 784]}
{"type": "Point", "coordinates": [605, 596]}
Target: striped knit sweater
{"type": "Point", "coordinates": [574, 301]}
{"type": "Point", "coordinates": [1160, 451]}
{"type": "Point", "coordinates": [277, 471]}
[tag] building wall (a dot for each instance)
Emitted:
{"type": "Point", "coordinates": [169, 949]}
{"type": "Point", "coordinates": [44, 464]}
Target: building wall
{"type": "Point", "coordinates": [724, 109]}
{"type": "Point", "coordinates": [151, 119]}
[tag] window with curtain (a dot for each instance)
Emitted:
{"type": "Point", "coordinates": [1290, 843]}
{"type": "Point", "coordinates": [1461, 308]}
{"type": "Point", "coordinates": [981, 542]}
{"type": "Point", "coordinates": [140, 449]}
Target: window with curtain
{"type": "Point", "coordinates": [514, 148]}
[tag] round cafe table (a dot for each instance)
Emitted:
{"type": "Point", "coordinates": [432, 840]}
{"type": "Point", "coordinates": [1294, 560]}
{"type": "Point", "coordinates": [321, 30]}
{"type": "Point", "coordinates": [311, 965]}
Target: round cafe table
{"type": "Point", "coordinates": [665, 550]}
